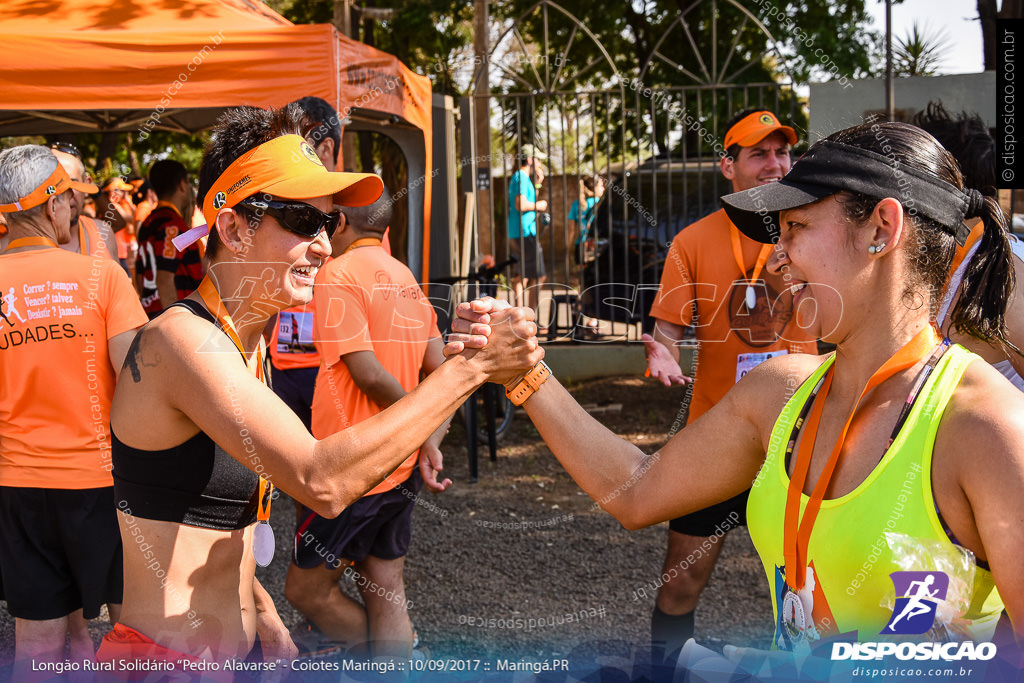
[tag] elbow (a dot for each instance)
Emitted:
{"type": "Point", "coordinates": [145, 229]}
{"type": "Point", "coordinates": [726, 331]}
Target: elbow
{"type": "Point", "coordinates": [626, 515]}
{"type": "Point", "coordinates": [325, 500]}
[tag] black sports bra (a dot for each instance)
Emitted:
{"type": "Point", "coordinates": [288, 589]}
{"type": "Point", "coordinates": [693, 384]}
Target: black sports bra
{"type": "Point", "coordinates": [195, 483]}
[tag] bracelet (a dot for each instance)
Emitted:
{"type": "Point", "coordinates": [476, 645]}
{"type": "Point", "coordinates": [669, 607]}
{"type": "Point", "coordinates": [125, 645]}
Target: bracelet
{"type": "Point", "coordinates": [537, 375]}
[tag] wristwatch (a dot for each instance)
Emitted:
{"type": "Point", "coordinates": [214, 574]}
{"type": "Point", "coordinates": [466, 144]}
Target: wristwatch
{"type": "Point", "coordinates": [537, 375]}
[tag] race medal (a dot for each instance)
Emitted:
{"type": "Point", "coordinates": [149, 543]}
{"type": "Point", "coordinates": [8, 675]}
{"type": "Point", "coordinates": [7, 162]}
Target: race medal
{"type": "Point", "coordinates": [751, 298]}
{"type": "Point", "coordinates": [263, 536]}
{"type": "Point", "coordinates": [263, 544]}
{"type": "Point", "coordinates": [793, 618]}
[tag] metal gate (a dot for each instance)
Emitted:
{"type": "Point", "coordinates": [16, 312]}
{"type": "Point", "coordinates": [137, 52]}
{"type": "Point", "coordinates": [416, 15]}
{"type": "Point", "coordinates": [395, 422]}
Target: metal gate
{"type": "Point", "coordinates": [657, 151]}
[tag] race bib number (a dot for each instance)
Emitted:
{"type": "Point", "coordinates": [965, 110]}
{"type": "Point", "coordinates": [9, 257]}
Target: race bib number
{"type": "Point", "coordinates": [745, 362]}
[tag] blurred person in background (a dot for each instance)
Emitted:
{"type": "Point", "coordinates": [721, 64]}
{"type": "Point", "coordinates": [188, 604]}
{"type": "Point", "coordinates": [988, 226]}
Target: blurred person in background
{"type": "Point", "coordinates": [163, 274]}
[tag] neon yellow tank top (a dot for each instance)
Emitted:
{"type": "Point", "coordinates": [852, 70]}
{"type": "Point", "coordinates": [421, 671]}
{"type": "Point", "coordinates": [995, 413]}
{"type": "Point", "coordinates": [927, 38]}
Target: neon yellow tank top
{"type": "Point", "coordinates": [849, 558]}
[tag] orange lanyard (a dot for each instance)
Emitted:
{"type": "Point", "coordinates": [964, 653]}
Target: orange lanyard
{"type": "Point", "coordinates": [364, 242]}
{"type": "Point", "coordinates": [797, 532]}
{"type": "Point", "coordinates": [211, 298]}
{"type": "Point", "coordinates": [30, 242]}
{"type": "Point", "coordinates": [762, 258]}
{"type": "Point", "coordinates": [208, 293]}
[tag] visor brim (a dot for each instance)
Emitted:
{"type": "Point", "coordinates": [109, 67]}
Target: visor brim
{"type": "Point", "coordinates": [346, 189]}
{"type": "Point", "coordinates": [756, 211]}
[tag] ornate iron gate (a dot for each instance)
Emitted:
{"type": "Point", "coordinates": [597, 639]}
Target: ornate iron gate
{"type": "Point", "coordinates": [657, 150]}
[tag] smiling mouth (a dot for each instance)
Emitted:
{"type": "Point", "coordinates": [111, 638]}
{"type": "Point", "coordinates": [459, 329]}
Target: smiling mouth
{"type": "Point", "coordinates": [305, 272]}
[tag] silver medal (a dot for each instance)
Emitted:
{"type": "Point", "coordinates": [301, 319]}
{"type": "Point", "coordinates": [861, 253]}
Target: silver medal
{"type": "Point", "coordinates": [263, 544]}
{"type": "Point", "coordinates": [751, 298]}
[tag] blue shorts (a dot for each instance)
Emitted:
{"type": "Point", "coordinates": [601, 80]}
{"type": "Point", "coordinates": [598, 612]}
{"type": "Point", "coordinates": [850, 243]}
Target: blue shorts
{"type": "Point", "coordinates": [378, 525]}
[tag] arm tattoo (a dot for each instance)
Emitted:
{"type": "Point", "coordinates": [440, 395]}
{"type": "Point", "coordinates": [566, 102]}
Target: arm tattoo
{"type": "Point", "coordinates": [135, 360]}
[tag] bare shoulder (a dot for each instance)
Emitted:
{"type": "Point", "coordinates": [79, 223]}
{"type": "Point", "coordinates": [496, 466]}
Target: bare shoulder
{"type": "Point", "coordinates": [763, 392]}
{"type": "Point", "coordinates": [176, 342]}
{"type": "Point", "coordinates": [985, 415]}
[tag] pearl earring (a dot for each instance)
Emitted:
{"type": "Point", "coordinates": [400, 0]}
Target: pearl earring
{"type": "Point", "coordinates": [874, 249]}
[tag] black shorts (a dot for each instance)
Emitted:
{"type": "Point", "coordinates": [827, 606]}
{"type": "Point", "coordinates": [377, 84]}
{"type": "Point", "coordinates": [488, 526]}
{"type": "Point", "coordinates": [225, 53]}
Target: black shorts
{"type": "Point", "coordinates": [714, 520]}
{"type": "Point", "coordinates": [295, 388]}
{"type": "Point", "coordinates": [60, 550]}
{"type": "Point", "coordinates": [378, 525]}
{"type": "Point", "coordinates": [530, 255]}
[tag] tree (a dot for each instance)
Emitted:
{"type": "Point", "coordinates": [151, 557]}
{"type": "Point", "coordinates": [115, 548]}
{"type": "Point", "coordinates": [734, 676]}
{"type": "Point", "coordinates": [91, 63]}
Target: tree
{"type": "Point", "coordinates": [987, 13]}
{"type": "Point", "coordinates": [919, 53]}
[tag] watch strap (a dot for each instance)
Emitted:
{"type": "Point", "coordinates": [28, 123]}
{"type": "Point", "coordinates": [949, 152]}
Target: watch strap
{"type": "Point", "coordinates": [537, 375]}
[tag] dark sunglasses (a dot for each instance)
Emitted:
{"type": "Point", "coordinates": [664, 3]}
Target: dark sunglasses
{"type": "Point", "coordinates": [67, 148]}
{"type": "Point", "coordinates": [297, 217]}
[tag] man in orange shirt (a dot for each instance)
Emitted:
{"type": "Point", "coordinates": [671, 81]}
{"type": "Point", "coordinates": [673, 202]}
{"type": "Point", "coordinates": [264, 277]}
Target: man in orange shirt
{"type": "Point", "coordinates": [715, 281]}
{"type": "Point", "coordinates": [60, 547]}
{"type": "Point", "coordinates": [376, 333]}
{"type": "Point", "coordinates": [89, 235]}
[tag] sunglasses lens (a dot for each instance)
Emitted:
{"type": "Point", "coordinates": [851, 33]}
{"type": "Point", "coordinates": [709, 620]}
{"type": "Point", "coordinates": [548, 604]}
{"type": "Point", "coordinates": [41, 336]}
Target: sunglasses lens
{"type": "Point", "coordinates": [298, 217]}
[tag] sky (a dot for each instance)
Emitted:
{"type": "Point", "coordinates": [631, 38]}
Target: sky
{"type": "Point", "coordinates": [957, 18]}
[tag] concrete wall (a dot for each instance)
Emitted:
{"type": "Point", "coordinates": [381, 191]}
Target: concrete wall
{"type": "Point", "coordinates": [833, 107]}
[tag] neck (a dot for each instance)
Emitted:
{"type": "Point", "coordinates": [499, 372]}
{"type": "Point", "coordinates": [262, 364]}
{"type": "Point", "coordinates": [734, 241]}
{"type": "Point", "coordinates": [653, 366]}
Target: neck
{"type": "Point", "coordinates": [249, 313]}
{"type": "Point", "coordinates": [20, 229]}
{"type": "Point", "coordinates": [868, 347]}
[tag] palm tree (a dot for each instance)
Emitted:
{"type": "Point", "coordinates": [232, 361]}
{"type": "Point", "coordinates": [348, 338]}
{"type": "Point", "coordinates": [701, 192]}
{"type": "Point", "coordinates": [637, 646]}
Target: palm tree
{"type": "Point", "coordinates": [920, 52]}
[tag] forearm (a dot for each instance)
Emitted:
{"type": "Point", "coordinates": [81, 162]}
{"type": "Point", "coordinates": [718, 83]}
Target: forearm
{"type": "Point", "coordinates": [361, 456]}
{"type": "Point", "coordinates": [668, 335]}
{"type": "Point", "coordinates": [603, 464]}
{"type": "Point", "coordinates": [262, 599]}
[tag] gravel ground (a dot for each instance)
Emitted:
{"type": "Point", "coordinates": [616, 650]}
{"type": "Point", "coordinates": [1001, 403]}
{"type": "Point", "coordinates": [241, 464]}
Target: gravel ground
{"type": "Point", "coordinates": [527, 553]}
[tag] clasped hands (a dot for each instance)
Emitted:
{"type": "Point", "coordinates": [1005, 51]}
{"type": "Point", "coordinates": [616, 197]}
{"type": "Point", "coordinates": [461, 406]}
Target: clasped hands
{"type": "Point", "coordinates": [498, 336]}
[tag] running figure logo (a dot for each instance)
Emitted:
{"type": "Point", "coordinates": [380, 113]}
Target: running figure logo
{"type": "Point", "coordinates": [9, 299]}
{"type": "Point", "coordinates": [917, 595]}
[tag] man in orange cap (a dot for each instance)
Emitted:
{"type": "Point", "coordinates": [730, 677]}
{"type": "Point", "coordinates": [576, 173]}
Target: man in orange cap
{"type": "Point", "coordinates": [715, 281]}
{"type": "Point", "coordinates": [60, 548]}
{"type": "Point", "coordinates": [88, 235]}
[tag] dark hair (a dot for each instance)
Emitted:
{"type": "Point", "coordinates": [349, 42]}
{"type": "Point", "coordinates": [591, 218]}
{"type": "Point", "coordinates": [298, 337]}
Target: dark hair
{"type": "Point", "coordinates": [238, 131]}
{"type": "Point", "coordinates": [165, 176]}
{"type": "Point", "coordinates": [989, 280]}
{"type": "Point", "coordinates": [733, 150]}
{"type": "Point", "coordinates": [373, 218]}
{"type": "Point", "coordinates": [322, 122]}
{"type": "Point", "coordinates": [968, 139]}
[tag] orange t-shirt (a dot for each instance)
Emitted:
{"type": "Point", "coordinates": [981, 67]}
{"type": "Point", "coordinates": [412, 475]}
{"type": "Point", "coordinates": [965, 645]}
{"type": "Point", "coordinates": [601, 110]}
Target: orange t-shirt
{"type": "Point", "coordinates": [368, 301]}
{"type": "Point", "coordinates": [56, 382]}
{"type": "Point", "coordinates": [701, 268]}
{"type": "Point", "coordinates": [94, 244]}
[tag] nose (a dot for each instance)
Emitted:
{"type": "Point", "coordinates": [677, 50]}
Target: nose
{"type": "Point", "coordinates": [778, 260]}
{"type": "Point", "coordinates": [321, 244]}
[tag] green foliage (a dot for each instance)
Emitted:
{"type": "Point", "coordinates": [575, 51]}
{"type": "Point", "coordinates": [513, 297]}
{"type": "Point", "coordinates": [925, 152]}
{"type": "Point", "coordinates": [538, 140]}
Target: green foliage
{"type": "Point", "coordinates": [919, 52]}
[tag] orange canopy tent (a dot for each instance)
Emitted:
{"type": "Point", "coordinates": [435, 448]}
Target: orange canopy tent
{"type": "Point", "coordinates": [134, 65]}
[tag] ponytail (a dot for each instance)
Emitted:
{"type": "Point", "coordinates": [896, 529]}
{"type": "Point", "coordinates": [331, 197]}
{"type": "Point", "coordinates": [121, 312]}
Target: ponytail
{"type": "Point", "coordinates": [988, 282]}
